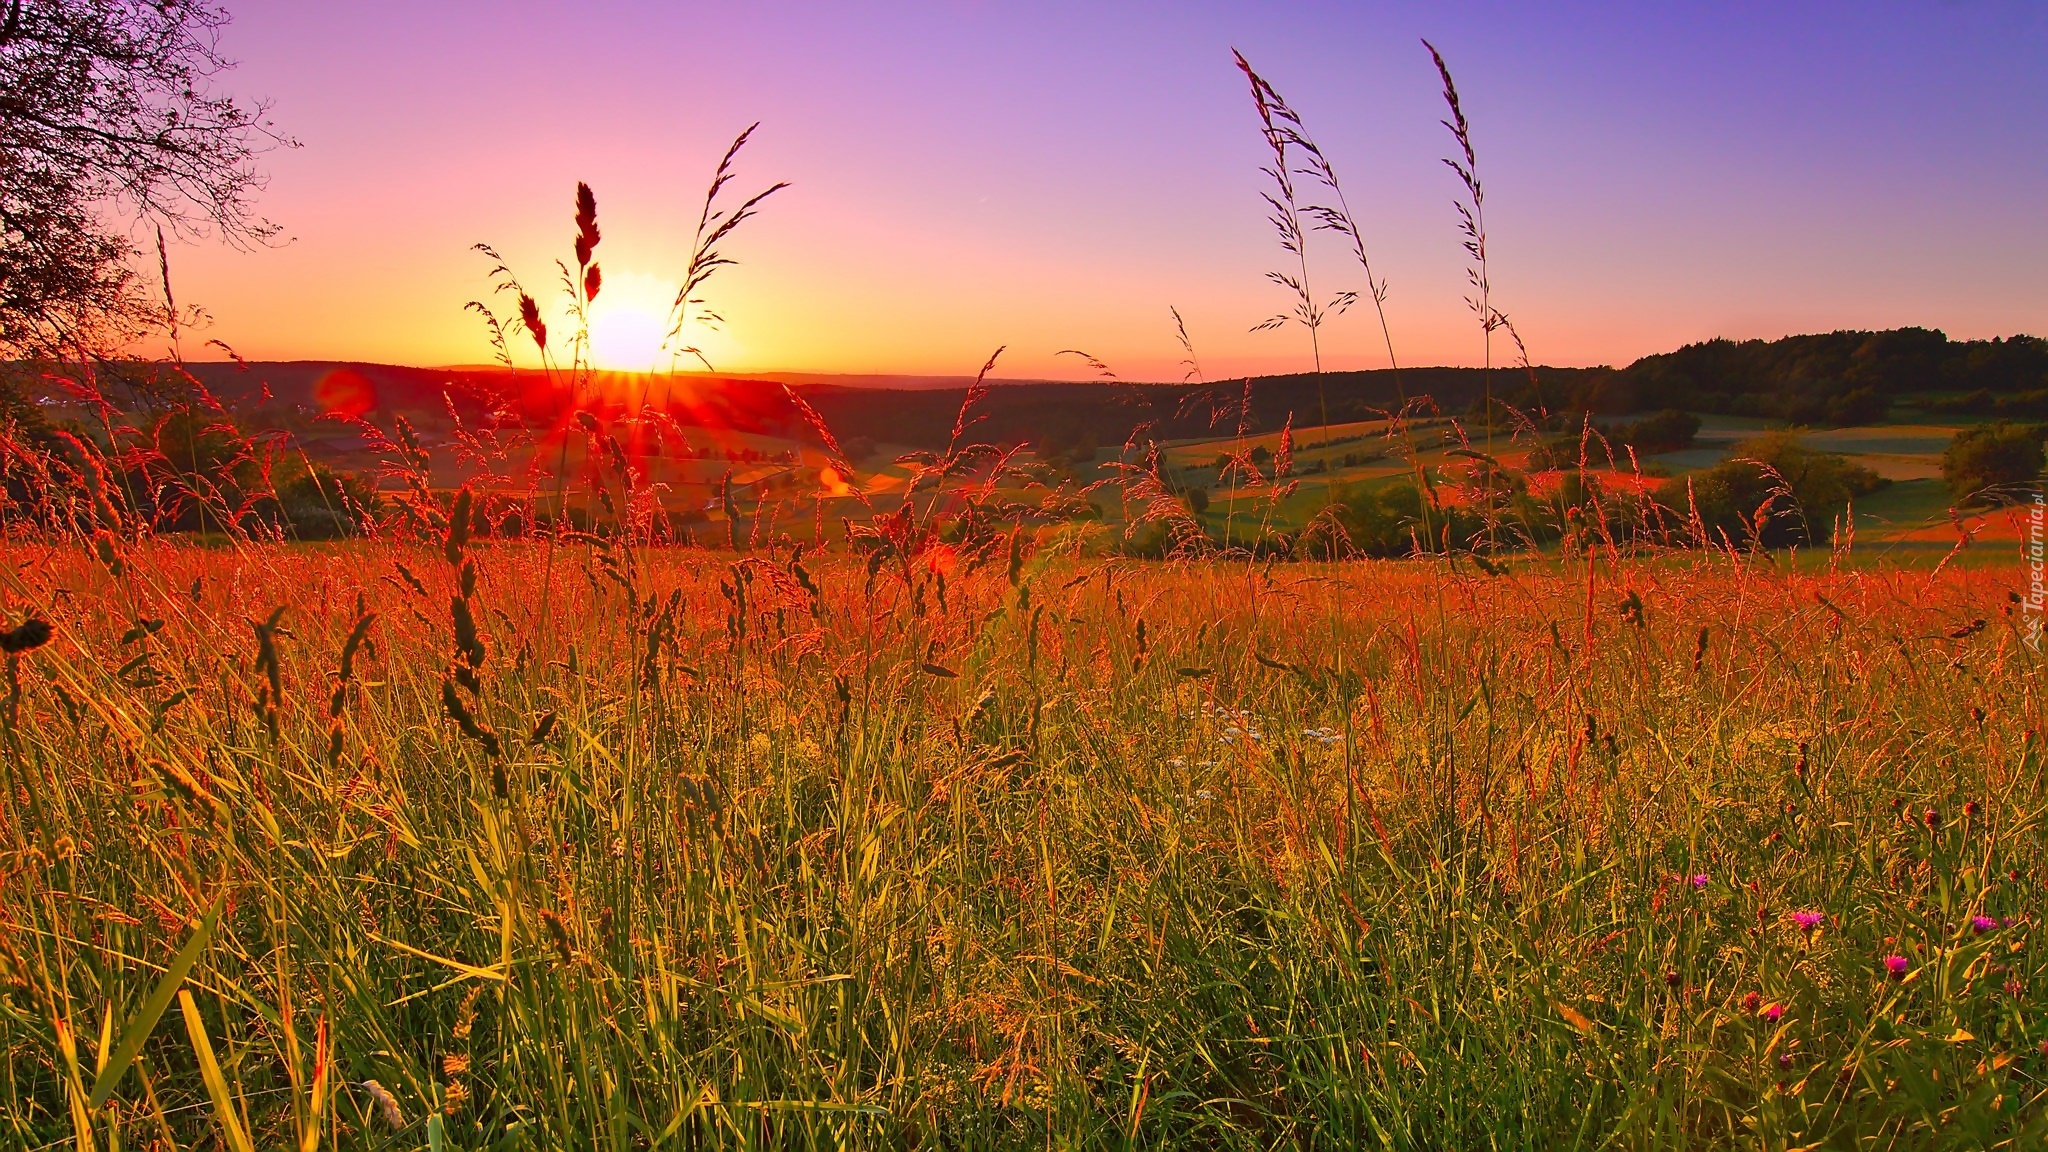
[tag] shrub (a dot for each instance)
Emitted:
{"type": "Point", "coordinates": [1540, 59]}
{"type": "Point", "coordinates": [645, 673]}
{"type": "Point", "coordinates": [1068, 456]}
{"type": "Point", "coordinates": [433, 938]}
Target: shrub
{"type": "Point", "coordinates": [1773, 491]}
{"type": "Point", "coordinates": [1669, 430]}
{"type": "Point", "coordinates": [318, 504]}
{"type": "Point", "coordinates": [1389, 521]}
{"type": "Point", "coordinates": [1983, 462]}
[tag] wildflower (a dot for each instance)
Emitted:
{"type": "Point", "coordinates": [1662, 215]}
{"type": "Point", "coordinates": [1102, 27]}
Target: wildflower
{"type": "Point", "coordinates": [1895, 966]}
{"type": "Point", "coordinates": [2014, 988]}
{"type": "Point", "coordinates": [1808, 921]}
{"type": "Point", "coordinates": [1751, 1001]}
{"type": "Point", "coordinates": [1699, 882]}
{"type": "Point", "coordinates": [1672, 978]}
{"type": "Point", "coordinates": [1774, 1012]}
{"type": "Point", "coordinates": [1982, 924]}
{"type": "Point", "coordinates": [1933, 819]}
{"type": "Point", "coordinates": [1784, 1059]}
{"type": "Point", "coordinates": [1972, 808]}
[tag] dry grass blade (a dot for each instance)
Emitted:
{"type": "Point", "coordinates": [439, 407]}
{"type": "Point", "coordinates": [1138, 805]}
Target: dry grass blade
{"type": "Point", "coordinates": [714, 226]}
{"type": "Point", "coordinates": [1101, 370]}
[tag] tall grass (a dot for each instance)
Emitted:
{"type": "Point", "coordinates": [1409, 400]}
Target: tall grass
{"type": "Point", "coordinates": [961, 836]}
{"type": "Point", "coordinates": [1292, 222]}
{"type": "Point", "coordinates": [789, 852]}
{"type": "Point", "coordinates": [1287, 134]}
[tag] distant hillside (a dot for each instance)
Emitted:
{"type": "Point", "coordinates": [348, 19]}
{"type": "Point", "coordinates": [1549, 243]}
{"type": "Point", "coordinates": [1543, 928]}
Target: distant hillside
{"type": "Point", "coordinates": [1838, 378]}
{"type": "Point", "coordinates": [1833, 379]}
{"type": "Point", "coordinates": [1012, 411]}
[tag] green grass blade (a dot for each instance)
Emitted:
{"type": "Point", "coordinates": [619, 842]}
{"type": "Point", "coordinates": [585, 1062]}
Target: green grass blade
{"type": "Point", "coordinates": [138, 1030]}
{"type": "Point", "coordinates": [209, 1070]}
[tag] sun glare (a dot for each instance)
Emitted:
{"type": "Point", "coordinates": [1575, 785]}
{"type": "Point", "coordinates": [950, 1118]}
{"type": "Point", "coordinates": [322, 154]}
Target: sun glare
{"type": "Point", "coordinates": [628, 320]}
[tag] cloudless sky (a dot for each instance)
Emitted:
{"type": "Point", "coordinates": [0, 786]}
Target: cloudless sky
{"type": "Point", "coordinates": [966, 174]}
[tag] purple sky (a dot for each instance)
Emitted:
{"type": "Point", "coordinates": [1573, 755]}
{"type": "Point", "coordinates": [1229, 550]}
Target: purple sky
{"type": "Point", "coordinates": [1055, 175]}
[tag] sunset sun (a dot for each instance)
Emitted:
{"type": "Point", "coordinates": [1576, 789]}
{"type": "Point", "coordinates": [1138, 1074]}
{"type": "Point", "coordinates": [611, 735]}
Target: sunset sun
{"type": "Point", "coordinates": [628, 321]}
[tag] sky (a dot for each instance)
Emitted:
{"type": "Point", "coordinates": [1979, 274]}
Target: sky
{"type": "Point", "coordinates": [967, 174]}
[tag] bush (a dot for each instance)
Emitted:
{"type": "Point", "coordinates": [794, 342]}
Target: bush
{"type": "Point", "coordinates": [1669, 430]}
{"type": "Point", "coordinates": [1984, 463]}
{"type": "Point", "coordinates": [319, 505]}
{"type": "Point", "coordinates": [1389, 521]}
{"type": "Point", "coordinates": [1773, 491]}
{"type": "Point", "coordinates": [1556, 453]}
{"type": "Point", "coordinates": [1858, 406]}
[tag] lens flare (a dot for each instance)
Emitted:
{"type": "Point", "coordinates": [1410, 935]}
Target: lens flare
{"type": "Point", "coordinates": [344, 392]}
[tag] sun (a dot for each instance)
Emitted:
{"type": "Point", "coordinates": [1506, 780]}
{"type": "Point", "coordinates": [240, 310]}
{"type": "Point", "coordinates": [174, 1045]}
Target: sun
{"type": "Point", "coordinates": [629, 329]}
{"type": "Point", "coordinates": [628, 322]}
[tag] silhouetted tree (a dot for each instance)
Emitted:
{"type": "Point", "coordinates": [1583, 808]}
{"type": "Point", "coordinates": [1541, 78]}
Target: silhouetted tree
{"type": "Point", "coordinates": [107, 110]}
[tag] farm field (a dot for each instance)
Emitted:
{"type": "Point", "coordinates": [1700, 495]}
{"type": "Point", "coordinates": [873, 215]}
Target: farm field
{"type": "Point", "coordinates": [1912, 512]}
{"type": "Point", "coordinates": [348, 846]}
{"type": "Point", "coordinates": [685, 454]}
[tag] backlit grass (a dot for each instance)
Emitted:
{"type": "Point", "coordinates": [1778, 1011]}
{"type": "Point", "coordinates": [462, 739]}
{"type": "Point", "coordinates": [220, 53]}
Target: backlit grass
{"type": "Point", "coordinates": [1042, 852]}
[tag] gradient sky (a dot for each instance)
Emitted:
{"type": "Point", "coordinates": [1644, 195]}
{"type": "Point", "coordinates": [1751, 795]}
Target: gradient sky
{"type": "Point", "coordinates": [1050, 175]}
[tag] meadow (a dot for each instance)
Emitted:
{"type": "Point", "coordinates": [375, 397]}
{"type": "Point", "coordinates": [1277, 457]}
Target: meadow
{"type": "Point", "coordinates": [477, 844]}
{"type": "Point", "coordinates": [632, 775]}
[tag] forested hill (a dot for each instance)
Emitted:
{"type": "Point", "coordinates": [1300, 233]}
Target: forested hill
{"type": "Point", "coordinates": [1832, 379]}
{"type": "Point", "coordinates": [1836, 378]}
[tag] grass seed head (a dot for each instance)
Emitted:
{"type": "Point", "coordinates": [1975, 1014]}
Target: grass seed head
{"type": "Point", "coordinates": [27, 636]}
{"type": "Point", "coordinates": [587, 234]}
{"type": "Point", "coordinates": [529, 315]}
{"type": "Point", "coordinates": [387, 1104]}
{"type": "Point", "coordinates": [558, 935]}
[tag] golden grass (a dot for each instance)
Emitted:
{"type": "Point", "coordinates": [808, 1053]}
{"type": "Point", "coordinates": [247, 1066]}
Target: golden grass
{"type": "Point", "coordinates": [806, 852]}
